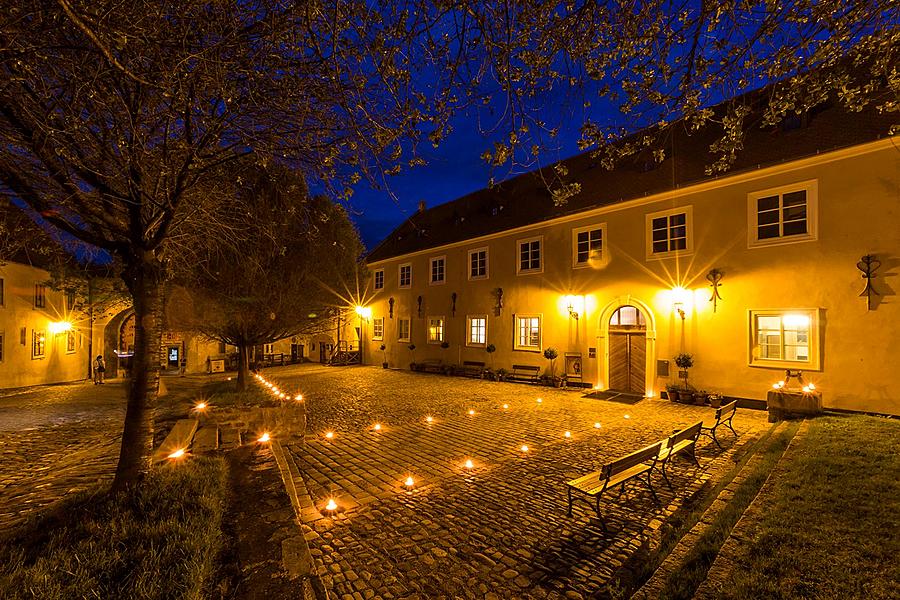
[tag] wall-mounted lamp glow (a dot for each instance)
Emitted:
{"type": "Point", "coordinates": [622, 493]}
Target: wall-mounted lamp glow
{"type": "Point", "coordinates": [573, 305]}
{"type": "Point", "coordinates": [679, 309]}
{"type": "Point", "coordinates": [59, 327]}
{"type": "Point", "coordinates": [571, 308]}
{"type": "Point", "coordinates": [364, 312]}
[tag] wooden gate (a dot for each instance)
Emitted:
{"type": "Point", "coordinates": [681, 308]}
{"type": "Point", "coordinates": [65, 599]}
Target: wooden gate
{"type": "Point", "coordinates": [627, 351]}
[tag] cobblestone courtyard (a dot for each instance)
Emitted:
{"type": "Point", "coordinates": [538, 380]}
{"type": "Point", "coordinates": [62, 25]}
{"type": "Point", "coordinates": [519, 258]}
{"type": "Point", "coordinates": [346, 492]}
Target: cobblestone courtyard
{"type": "Point", "coordinates": [499, 529]}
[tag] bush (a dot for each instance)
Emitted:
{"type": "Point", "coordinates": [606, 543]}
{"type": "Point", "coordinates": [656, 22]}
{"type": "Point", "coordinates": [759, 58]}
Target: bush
{"type": "Point", "coordinates": [684, 360]}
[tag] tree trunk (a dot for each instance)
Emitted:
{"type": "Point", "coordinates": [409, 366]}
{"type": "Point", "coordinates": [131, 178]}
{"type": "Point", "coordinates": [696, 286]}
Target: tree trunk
{"type": "Point", "coordinates": [243, 367]}
{"type": "Point", "coordinates": [144, 281]}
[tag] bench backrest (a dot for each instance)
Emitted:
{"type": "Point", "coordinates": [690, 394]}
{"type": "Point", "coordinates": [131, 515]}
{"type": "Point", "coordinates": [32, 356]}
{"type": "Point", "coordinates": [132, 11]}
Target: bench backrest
{"type": "Point", "coordinates": [472, 363]}
{"type": "Point", "coordinates": [726, 411]}
{"type": "Point", "coordinates": [525, 368]}
{"type": "Point", "coordinates": [633, 459]}
{"type": "Point", "coordinates": [688, 433]}
{"type": "Point", "coordinates": [431, 361]}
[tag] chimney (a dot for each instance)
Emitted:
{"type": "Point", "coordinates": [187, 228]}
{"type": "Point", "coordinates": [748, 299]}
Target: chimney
{"type": "Point", "coordinates": [421, 206]}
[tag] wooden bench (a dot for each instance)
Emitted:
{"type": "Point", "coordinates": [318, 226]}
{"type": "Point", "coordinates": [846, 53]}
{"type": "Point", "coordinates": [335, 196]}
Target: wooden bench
{"type": "Point", "coordinates": [723, 417]}
{"type": "Point", "coordinates": [431, 365]}
{"type": "Point", "coordinates": [524, 373]}
{"type": "Point", "coordinates": [680, 441]}
{"type": "Point", "coordinates": [472, 368]}
{"type": "Point", "coordinates": [617, 472]}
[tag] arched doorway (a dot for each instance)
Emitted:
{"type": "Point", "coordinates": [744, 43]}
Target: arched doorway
{"type": "Point", "coordinates": [626, 339]}
{"type": "Point", "coordinates": [628, 350]}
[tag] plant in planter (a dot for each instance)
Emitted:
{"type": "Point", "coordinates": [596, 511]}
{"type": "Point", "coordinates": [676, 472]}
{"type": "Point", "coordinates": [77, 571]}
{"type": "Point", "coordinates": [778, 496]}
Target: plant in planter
{"type": "Point", "coordinates": [701, 397]}
{"type": "Point", "coordinates": [551, 354]}
{"type": "Point", "coordinates": [672, 392]}
{"type": "Point", "coordinates": [684, 361]}
{"type": "Point", "coordinates": [412, 350]}
{"type": "Point", "coordinates": [501, 374]}
{"type": "Point", "coordinates": [715, 400]}
{"type": "Point", "coordinates": [384, 363]}
{"type": "Point", "coordinates": [490, 349]}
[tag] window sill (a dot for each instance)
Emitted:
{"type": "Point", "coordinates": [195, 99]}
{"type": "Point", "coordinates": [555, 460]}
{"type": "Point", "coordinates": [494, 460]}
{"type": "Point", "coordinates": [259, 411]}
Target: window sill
{"type": "Point", "coordinates": [781, 241]}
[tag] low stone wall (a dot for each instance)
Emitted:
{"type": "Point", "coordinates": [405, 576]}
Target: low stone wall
{"type": "Point", "coordinates": [282, 422]}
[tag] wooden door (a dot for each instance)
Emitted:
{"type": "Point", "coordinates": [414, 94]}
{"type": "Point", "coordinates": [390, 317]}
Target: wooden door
{"type": "Point", "coordinates": [627, 361]}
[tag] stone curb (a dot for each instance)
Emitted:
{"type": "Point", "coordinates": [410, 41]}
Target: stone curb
{"type": "Point", "coordinates": [716, 577]}
{"type": "Point", "coordinates": [653, 587]}
{"type": "Point", "coordinates": [299, 561]}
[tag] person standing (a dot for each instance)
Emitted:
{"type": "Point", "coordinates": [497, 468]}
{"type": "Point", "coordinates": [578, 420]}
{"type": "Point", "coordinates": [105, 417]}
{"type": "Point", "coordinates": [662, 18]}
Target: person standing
{"type": "Point", "coordinates": [99, 369]}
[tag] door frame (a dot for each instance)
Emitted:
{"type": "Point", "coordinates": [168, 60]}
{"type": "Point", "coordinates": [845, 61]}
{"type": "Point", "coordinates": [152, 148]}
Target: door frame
{"type": "Point", "coordinates": [650, 335]}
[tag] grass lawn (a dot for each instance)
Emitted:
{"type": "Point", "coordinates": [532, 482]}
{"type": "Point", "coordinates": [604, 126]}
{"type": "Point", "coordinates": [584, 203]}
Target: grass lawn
{"type": "Point", "coordinates": [163, 542]}
{"type": "Point", "coordinates": [831, 527]}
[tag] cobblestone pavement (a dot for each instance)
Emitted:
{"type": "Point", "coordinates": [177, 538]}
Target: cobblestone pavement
{"type": "Point", "coordinates": [60, 438]}
{"type": "Point", "coordinates": [499, 529]}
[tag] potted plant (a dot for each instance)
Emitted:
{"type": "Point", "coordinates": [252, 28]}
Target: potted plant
{"type": "Point", "coordinates": [672, 392]}
{"type": "Point", "coordinates": [501, 374]}
{"type": "Point", "coordinates": [551, 354]}
{"type": "Point", "coordinates": [412, 350]}
{"type": "Point", "coordinates": [384, 364]}
{"type": "Point", "coordinates": [684, 361]}
{"type": "Point", "coordinates": [701, 397]}
{"type": "Point", "coordinates": [715, 400]}
{"type": "Point", "coordinates": [490, 349]}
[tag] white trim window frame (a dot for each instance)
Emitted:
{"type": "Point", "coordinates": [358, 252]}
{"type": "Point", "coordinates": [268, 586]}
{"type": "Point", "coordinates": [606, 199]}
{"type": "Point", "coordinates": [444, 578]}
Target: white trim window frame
{"type": "Point", "coordinates": [478, 261]}
{"type": "Point", "coordinates": [38, 344]}
{"type": "Point", "coordinates": [530, 255]}
{"type": "Point", "coordinates": [785, 338]}
{"type": "Point", "coordinates": [670, 232]}
{"type": "Point", "coordinates": [527, 332]}
{"type": "Point", "coordinates": [589, 246]}
{"type": "Point", "coordinates": [378, 279]}
{"type": "Point", "coordinates": [40, 295]}
{"type": "Point", "coordinates": [476, 331]}
{"type": "Point", "coordinates": [437, 270]}
{"type": "Point", "coordinates": [70, 342]}
{"type": "Point", "coordinates": [404, 324]}
{"type": "Point", "coordinates": [404, 273]}
{"type": "Point", "coordinates": [378, 329]}
{"type": "Point", "coordinates": [435, 329]}
{"type": "Point", "coordinates": [787, 214]}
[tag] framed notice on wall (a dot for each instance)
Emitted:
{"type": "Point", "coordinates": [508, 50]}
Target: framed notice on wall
{"type": "Point", "coordinates": [573, 365]}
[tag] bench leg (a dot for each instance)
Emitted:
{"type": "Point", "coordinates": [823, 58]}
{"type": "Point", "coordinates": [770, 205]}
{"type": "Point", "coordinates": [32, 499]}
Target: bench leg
{"type": "Point", "coordinates": [665, 475]}
{"type": "Point", "coordinates": [650, 485]}
{"type": "Point", "coordinates": [570, 502]}
{"type": "Point", "coordinates": [715, 439]}
{"type": "Point", "coordinates": [694, 454]}
{"type": "Point", "coordinates": [600, 516]}
{"type": "Point", "coordinates": [731, 428]}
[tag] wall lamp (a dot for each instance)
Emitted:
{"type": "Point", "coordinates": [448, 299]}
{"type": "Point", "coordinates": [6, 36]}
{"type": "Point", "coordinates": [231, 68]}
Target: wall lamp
{"type": "Point", "coordinates": [679, 309]}
{"type": "Point", "coordinates": [571, 308]}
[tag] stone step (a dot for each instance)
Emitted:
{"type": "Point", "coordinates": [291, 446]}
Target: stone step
{"type": "Point", "coordinates": [206, 439]}
{"type": "Point", "coordinates": [179, 438]}
{"type": "Point", "coordinates": [654, 586]}
{"type": "Point", "coordinates": [230, 439]}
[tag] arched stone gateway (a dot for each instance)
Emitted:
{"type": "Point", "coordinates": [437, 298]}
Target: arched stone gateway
{"type": "Point", "coordinates": [118, 343]}
{"type": "Point", "coordinates": [627, 342]}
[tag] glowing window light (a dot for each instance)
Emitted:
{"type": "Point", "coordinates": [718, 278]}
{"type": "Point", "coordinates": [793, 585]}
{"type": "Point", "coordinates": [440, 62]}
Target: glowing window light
{"type": "Point", "coordinates": [264, 438]}
{"type": "Point", "coordinates": [332, 505]}
{"type": "Point", "coordinates": [377, 426]}
{"type": "Point", "coordinates": [567, 434]}
{"type": "Point", "coordinates": [329, 435]}
{"type": "Point", "coordinates": [597, 425]}
{"type": "Point", "coordinates": [469, 463]}
{"type": "Point", "coordinates": [524, 448]}
{"type": "Point", "coordinates": [795, 320]}
{"type": "Point", "coordinates": [177, 454]}
{"type": "Point", "coordinates": [409, 482]}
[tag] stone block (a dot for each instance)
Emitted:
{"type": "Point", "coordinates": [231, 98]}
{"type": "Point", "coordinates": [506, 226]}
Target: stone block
{"type": "Point", "coordinates": [179, 438]}
{"type": "Point", "coordinates": [206, 439]}
{"type": "Point", "coordinates": [231, 438]}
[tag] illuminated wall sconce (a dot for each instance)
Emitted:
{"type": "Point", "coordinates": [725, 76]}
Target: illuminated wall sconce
{"type": "Point", "coordinates": [574, 306]}
{"type": "Point", "coordinates": [59, 327]}
{"type": "Point", "coordinates": [498, 307]}
{"type": "Point", "coordinates": [391, 307]}
{"type": "Point", "coordinates": [364, 312]}
{"type": "Point", "coordinates": [681, 299]}
{"type": "Point", "coordinates": [868, 264]}
{"type": "Point", "coordinates": [679, 309]}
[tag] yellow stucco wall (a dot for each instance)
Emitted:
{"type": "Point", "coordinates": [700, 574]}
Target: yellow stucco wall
{"type": "Point", "coordinates": [18, 367]}
{"type": "Point", "coordinates": [858, 212]}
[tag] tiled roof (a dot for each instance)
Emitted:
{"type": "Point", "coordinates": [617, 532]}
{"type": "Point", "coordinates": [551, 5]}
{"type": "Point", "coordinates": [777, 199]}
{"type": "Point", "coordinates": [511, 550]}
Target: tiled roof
{"type": "Point", "coordinates": [525, 199]}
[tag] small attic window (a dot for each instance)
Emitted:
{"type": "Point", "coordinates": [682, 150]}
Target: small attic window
{"type": "Point", "coordinates": [795, 121]}
{"type": "Point", "coordinates": [496, 210]}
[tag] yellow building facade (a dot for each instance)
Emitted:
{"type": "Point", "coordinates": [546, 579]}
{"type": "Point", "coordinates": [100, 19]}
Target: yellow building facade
{"type": "Point", "coordinates": [41, 340]}
{"type": "Point", "coordinates": [752, 273]}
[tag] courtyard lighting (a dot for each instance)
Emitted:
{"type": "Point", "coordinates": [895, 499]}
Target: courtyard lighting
{"type": "Point", "coordinates": [539, 400]}
{"type": "Point", "coordinates": [471, 411]}
{"type": "Point", "coordinates": [177, 454]}
{"type": "Point", "coordinates": [299, 397]}
{"type": "Point", "coordinates": [409, 482]}
{"type": "Point", "coordinates": [377, 426]}
{"type": "Point", "coordinates": [568, 434]}
{"type": "Point", "coordinates": [59, 327]}
{"type": "Point", "coordinates": [505, 406]}
{"type": "Point", "coordinates": [364, 312]}
{"type": "Point", "coordinates": [264, 438]}
{"type": "Point", "coordinates": [200, 406]}
{"type": "Point", "coordinates": [597, 425]}
{"type": "Point", "coordinates": [429, 419]}
{"type": "Point", "coordinates": [469, 463]}
{"type": "Point", "coordinates": [329, 435]}
{"type": "Point", "coordinates": [627, 416]}
{"type": "Point", "coordinates": [524, 448]}
{"type": "Point", "coordinates": [332, 505]}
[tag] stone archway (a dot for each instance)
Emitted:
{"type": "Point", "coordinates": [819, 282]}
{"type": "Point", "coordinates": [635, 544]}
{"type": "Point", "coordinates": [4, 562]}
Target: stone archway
{"type": "Point", "coordinates": [113, 340]}
{"type": "Point", "coordinates": [649, 332]}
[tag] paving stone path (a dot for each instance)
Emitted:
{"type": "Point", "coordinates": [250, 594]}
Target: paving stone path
{"type": "Point", "coordinates": [499, 529]}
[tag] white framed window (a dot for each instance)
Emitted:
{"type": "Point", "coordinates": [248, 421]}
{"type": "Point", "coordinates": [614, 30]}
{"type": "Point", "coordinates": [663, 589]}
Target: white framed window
{"type": "Point", "coordinates": [785, 338]}
{"type": "Point", "coordinates": [40, 295]}
{"type": "Point", "coordinates": [268, 348]}
{"type": "Point", "coordinates": [378, 328]}
{"type": "Point", "coordinates": [527, 332]}
{"type": "Point", "coordinates": [476, 330]}
{"type": "Point", "coordinates": [783, 215]}
{"type": "Point", "coordinates": [478, 263]}
{"type": "Point", "coordinates": [405, 275]}
{"type": "Point", "coordinates": [587, 245]}
{"type": "Point", "coordinates": [404, 330]}
{"type": "Point", "coordinates": [530, 256]}
{"type": "Point", "coordinates": [70, 342]}
{"type": "Point", "coordinates": [378, 279]}
{"type": "Point", "coordinates": [670, 232]}
{"type": "Point", "coordinates": [38, 343]}
{"type": "Point", "coordinates": [438, 268]}
{"type": "Point", "coordinates": [70, 300]}
{"type": "Point", "coordinates": [435, 330]}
